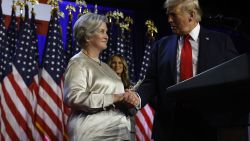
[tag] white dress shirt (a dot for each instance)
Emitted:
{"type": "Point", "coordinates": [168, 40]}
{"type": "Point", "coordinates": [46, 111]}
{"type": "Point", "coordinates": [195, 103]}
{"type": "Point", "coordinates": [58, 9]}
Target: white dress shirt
{"type": "Point", "coordinates": [194, 41]}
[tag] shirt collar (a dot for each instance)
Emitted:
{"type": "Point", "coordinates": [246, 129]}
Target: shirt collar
{"type": "Point", "coordinates": [195, 32]}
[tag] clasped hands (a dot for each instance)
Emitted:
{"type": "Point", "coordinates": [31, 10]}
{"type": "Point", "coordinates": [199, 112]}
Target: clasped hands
{"type": "Point", "coordinates": [130, 98]}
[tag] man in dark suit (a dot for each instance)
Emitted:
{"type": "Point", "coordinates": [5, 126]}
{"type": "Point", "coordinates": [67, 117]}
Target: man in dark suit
{"type": "Point", "coordinates": [168, 66]}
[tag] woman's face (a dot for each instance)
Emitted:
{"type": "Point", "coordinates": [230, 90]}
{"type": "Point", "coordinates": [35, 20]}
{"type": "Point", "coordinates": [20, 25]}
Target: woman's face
{"type": "Point", "coordinates": [100, 38]}
{"type": "Point", "coordinates": [117, 65]}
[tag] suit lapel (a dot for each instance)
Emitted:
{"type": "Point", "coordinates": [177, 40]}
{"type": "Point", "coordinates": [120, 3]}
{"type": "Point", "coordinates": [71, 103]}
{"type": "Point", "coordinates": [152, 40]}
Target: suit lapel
{"type": "Point", "coordinates": [204, 40]}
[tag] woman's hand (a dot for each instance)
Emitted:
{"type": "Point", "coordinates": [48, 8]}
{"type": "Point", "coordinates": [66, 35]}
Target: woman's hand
{"type": "Point", "coordinates": [131, 98]}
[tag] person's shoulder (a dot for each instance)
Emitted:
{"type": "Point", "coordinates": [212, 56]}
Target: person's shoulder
{"type": "Point", "coordinates": [77, 59]}
{"type": "Point", "coordinates": [167, 38]}
{"type": "Point", "coordinates": [166, 41]}
{"type": "Point", "coordinates": [214, 33]}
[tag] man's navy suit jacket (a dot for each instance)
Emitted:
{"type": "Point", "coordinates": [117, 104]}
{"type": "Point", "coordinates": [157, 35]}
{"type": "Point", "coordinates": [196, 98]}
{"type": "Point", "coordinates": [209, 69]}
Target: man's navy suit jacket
{"type": "Point", "coordinates": [214, 49]}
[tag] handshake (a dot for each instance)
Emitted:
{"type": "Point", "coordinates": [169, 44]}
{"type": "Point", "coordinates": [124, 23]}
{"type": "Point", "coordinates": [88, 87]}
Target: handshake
{"type": "Point", "coordinates": [129, 98]}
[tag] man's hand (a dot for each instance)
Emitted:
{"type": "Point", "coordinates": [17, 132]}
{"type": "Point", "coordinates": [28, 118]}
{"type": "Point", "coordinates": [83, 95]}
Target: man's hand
{"type": "Point", "coordinates": [131, 98]}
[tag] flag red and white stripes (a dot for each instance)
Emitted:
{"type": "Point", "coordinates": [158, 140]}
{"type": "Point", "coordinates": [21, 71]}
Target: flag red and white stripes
{"type": "Point", "coordinates": [50, 108]}
{"type": "Point", "coordinates": [18, 84]}
{"type": "Point", "coordinates": [144, 123]}
{"type": "Point", "coordinates": [50, 116]}
{"type": "Point", "coordinates": [17, 104]}
{"type": "Point", "coordinates": [144, 117]}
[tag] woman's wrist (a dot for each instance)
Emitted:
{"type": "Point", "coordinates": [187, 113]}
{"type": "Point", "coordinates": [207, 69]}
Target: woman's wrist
{"type": "Point", "coordinates": [117, 98]}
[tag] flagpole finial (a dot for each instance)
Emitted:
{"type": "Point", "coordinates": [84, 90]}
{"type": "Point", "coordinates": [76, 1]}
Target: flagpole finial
{"type": "Point", "coordinates": [86, 10]}
{"type": "Point", "coordinates": [109, 16]}
{"type": "Point", "coordinates": [117, 15]}
{"type": "Point", "coordinates": [33, 3]}
{"type": "Point", "coordinates": [96, 8]}
{"type": "Point", "coordinates": [81, 3]}
{"type": "Point", "coordinates": [151, 28]}
{"type": "Point", "coordinates": [21, 5]}
{"type": "Point", "coordinates": [123, 27]}
{"type": "Point", "coordinates": [54, 3]}
{"type": "Point", "coordinates": [129, 21]}
{"type": "Point", "coordinates": [61, 14]}
{"type": "Point", "coordinates": [70, 8]}
{"type": "Point", "coordinates": [55, 7]}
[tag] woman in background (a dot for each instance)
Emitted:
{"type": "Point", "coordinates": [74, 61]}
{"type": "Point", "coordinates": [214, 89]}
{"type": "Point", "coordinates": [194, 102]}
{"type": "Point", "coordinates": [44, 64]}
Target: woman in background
{"type": "Point", "coordinates": [92, 88]}
{"type": "Point", "coordinates": [119, 65]}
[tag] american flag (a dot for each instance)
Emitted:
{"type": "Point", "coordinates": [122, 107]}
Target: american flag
{"type": "Point", "coordinates": [144, 123]}
{"type": "Point", "coordinates": [129, 56]}
{"type": "Point", "coordinates": [71, 47]}
{"type": "Point", "coordinates": [12, 33]}
{"type": "Point", "coordinates": [145, 60]}
{"type": "Point", "coordinates": [34, 37]}
{"type": "Point", "coordinates": [69, 38]}
{"type": "Point", "coordinates": [120, 40]}
{"type": "Point", "coordinates": [7, 126]}
{"type": "Point", "coordinates": [2, 48]}
{"type": "Point", "coordinates": [2, 42]}
{"type": "Point", "coordinates": [24, 70]}
{"type": "Point", "coordinates": [145, 116]}
{"type": "Point", "coordinates": [50, 108]}
{"type": "Point", "coordinates": [34, 51]}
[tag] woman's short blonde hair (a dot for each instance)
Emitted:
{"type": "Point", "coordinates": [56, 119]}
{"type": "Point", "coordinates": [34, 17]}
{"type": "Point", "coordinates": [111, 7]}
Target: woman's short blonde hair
{"type": "Point", "coordinates": [86, 26]}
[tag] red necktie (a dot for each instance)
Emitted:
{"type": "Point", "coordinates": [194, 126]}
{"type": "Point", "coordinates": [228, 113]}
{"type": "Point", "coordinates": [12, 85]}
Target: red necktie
{"type": "Point", "coordinates": [186, 65]}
